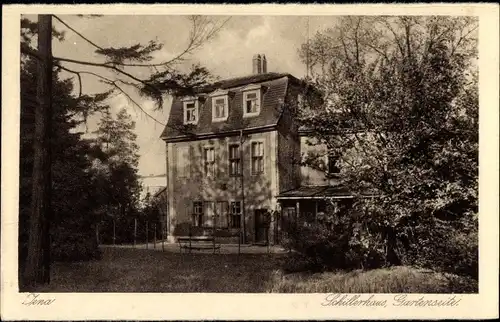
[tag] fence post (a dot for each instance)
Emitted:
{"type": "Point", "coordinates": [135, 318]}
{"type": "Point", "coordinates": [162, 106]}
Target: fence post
{"type": "Point", "coordinates": [154, 236]}
{"type": "Point", "coordinates": [147, 237]}
{"type": "Point", "coordinates": [135, 230]}
{"type": "Point", "coordinates": [163, 239]}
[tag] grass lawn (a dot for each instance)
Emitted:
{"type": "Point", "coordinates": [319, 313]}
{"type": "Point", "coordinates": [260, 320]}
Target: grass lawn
{"type": "Point", "coordinates": [135, 270]}
{"type": "Point", "coordinates": [138, 270]}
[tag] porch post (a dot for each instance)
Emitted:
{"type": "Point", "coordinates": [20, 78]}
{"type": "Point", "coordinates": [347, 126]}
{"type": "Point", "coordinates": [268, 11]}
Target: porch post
{"type": "Point", "coordinates": [297, 208]}
{"type": "Point", "coordinates": [315, 210]}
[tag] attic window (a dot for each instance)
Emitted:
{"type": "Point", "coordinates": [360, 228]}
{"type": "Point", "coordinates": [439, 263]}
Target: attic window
{"type": "Point", "coordinates": [191, 112]}
{"type": "Point", "coordinates": [220, 108]}
{"type": "Point", "coordinates": [251, 103]}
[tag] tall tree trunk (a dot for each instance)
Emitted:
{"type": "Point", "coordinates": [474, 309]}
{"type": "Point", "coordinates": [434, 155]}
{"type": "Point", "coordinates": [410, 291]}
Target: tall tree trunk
{"type": "Point", "coordinates": [37, 269]}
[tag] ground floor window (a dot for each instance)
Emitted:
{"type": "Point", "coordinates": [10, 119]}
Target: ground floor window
{"type": "Point", "coordinates": [197, 216]}
{"type": "Point", "coordinates": [235, 214]}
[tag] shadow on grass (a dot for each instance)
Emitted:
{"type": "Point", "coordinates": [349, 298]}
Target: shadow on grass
{"type": "Point", "coordinates": [133, 270]}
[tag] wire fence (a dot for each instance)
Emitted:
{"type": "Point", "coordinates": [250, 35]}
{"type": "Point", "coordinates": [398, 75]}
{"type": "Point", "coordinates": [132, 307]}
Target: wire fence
{"type": "Point", "coordinates": [130, 232]}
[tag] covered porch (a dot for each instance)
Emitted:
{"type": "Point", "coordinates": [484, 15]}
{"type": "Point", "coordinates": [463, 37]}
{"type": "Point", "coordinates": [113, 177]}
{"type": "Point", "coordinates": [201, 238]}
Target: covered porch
{"type": "Point", "coordinates": [302, 205]}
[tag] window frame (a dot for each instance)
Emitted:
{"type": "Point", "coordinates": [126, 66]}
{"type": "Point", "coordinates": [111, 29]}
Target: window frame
{"type": "Point", "coordinates": [258, 100]}
{"type": "Point", "coordinates": [256, 157]}
{"type": "Point", "coordinates": [198, 215]}
{"type": "Point", "coordinates": [185, 104]}
{"type": "Point", "coordinates": [233, 214]}
{"type": "Point", "coordinates": [332, 155]}
{"type": "Point", "coordinates": [207, 162]}
{"type": "Point", "coordinates": [225, 108]}
{"type": "Point", "coordinates": [232, 159]}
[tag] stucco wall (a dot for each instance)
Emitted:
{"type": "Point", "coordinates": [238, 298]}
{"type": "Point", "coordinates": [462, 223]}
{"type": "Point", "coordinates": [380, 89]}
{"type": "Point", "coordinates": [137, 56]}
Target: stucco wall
{"type": "Point", "coordinates": [183, 190]}
{"type": "Point", "coordinates": [311, 176]}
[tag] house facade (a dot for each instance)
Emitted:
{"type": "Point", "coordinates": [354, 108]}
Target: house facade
{"type": "Point", "coordinates": [234, 154]}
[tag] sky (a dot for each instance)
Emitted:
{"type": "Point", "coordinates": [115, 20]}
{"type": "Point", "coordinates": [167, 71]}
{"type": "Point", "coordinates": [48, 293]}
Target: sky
{"type": "Point", "coordinates": [228, 55]}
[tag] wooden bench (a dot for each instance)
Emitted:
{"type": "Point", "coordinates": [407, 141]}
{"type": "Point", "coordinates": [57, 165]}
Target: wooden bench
{"type": "Point", "coordinates": [198, 243]}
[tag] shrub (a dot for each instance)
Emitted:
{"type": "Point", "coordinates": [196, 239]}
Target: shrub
{"type": "Point", "coordinates": [317, 246]}
{"type": "Point", "coordinates": [447, 249]}
{"type": "Point", "coordinates": [71, 245]}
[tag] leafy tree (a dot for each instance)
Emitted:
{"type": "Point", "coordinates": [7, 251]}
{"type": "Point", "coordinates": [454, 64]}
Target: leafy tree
{"type": "Point", "coordinates": [401, 112]}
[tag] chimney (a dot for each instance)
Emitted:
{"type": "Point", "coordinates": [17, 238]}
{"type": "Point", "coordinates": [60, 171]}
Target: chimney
{"type": "Point", "coordinates": [264, 64]}
{"type": "Point", "coordinates": [256, 64]}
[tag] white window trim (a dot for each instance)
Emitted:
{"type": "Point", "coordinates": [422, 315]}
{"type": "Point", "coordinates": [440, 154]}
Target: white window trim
{"type": "Point", "coordinates": [259, 102]}
{"type": "Point", "coordinates": [226, 108]}
{"type": "Point", "coordinates": [263, 157]}
{"type": "Point", "coordinates": [196, 108]}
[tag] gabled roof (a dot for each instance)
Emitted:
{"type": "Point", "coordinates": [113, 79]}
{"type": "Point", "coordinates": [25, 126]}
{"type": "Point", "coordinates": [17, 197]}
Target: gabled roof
{"type": "Point", "coordinates": [275, 87]}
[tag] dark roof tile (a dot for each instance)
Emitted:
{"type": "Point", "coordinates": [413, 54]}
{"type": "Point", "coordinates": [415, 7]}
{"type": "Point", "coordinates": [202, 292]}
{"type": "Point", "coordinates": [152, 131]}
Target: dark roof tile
{"type": "Point", "coordinates": [275, 89]}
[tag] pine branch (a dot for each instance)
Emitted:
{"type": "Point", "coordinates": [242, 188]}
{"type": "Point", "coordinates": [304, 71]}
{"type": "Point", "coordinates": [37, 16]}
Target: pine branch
{"type": "Point", "coordinates": [76, 32]}
{"type": "Point", "coordinates": [112, 83]}
{"type": "Point", "coordinates": [80, 62]}
{"type": "Point", "coordinates": [77, 74]}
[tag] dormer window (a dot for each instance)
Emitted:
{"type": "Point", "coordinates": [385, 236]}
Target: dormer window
{"type": "Point", "coordinates": [251, 100]}
{"type": "Point", "coordinates": [251, 103]}
{"type": "Point", "coordinates": [190, 111]}
{"type": "Point", "coordinates": [220, 105]}
{"type": "Point", "coordinates": [219, 108]}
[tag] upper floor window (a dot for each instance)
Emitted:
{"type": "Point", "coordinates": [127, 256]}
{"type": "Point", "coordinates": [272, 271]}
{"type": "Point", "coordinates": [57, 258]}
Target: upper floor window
{"type": "Point", "coordinates": [234, 160]}
{"type": "Point", "coordinates": [209, 161]}
{"type": "Point", "coordinates": [220, 108]}
{"type": "Point", "coordinates": [333, 160]}
{"type": "Point", "coordinates": [251, 103]}
{"type": "Point", "coordinates": [190, 112]}
{"type": "Point", "coordinates": [257, 157]}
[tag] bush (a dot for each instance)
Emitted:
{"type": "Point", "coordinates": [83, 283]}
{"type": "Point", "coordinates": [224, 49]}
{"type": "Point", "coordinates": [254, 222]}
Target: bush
{"type": "Point", "coordinates": [315, 246]}
{"type": "Point", "coordinates": [447, 249]}
{"type": "Point", "coordinates": [74, 246]}
{"type": "Point", "coordinates": [343, 239]}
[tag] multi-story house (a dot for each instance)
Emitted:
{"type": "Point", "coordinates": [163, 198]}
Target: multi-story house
{"type": "Point", "coordinates": [233, 158]}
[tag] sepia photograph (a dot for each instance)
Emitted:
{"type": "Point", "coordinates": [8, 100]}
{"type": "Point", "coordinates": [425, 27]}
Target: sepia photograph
{"type": "Point", "coordinates": [245, 153]}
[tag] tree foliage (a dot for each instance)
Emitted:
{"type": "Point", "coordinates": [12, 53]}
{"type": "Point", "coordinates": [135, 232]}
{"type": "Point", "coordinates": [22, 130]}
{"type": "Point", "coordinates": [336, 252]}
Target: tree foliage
{"type": "Point", "coordinates": [401, 111]}
{"type": "Point", "coordinates": [79, 172]}
{"type": "Point", "coordinates": [73, 209]}
{"type": "Point", "coordinates": [118, 178]}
